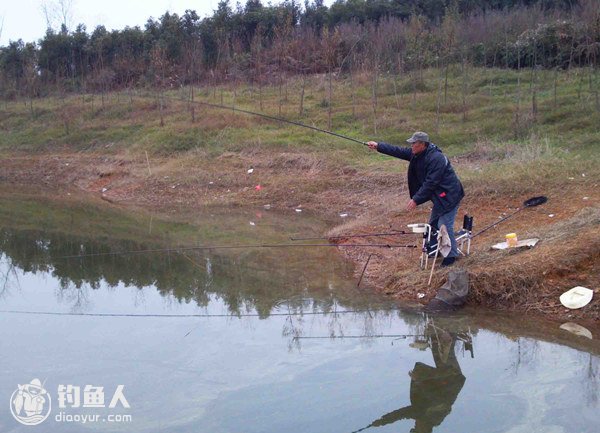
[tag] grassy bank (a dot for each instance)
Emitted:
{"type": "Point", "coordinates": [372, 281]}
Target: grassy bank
{"type": "Point", "coordinates": [489, 105]}
{"type": "Point", "coordinates": [510, 134]}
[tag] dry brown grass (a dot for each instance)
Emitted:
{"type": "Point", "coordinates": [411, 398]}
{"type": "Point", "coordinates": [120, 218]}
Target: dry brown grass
{"type": "Point", "coordinates": [526, 280]}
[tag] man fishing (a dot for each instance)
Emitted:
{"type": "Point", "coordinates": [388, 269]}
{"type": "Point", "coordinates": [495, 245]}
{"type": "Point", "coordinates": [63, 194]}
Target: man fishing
{"type": "Point", "coordinates": [430, 177]}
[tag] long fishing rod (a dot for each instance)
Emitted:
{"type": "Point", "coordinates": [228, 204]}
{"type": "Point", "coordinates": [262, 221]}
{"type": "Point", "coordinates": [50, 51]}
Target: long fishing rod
{"type": "Point", "coordinates": [532, 202]}
{"type": "Point", "coordinates": [266, 116]}
{"type": "Point", "coordinates": [329, 337]}
{"type": "Point", "coordinates": [278, 314]}
{"type": "Point", "coordinates": [225, 247]}
{"type": "Point", "coordinates": [402, 232]}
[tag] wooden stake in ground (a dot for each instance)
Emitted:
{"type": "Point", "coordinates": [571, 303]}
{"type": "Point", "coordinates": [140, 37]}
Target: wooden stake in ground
{"type": "Point", "coordinates": [148, 162]}
{"type": "Point", "coordinates": [364, 269]}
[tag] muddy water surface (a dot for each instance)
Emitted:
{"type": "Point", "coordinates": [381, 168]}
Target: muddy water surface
{"type": "Point", "coordinates": [255, 339]}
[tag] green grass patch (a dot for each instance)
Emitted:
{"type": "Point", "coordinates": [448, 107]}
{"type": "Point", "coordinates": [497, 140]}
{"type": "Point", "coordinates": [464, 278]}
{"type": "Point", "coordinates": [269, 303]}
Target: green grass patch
{"type": "Point", "coordinates": [498, 106]}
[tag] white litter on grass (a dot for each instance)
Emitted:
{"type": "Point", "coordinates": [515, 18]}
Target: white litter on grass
{"type": "Point", "coordinates": [571, 178]}
{"type": "Point", "coordinates": [104, 189]}
{"type": "Point", "coordinates": [551, 215]}
{"type": "Point", "coordinates": [526, 243]}
{"type": "Point", "coordinates": [343, 215]}
{"type": "Point", "coordinates": [420, 295]}
{"type": "Point", "coordinates": [211, 183]}
{"type": "Point", "coordinates": [582, 174]}
{"type": "Point", "coordinates": [586, 198]}
{"type": "Point", "coordinates": [252, 223]}
{"type": "Point", "coordinates": [267, 206]}
{"type": "Point", "coordinates": [298, 210]}
{"type": "Point", "coordinates": [250, 171]}
{"type": "Point", "coordinates": [577, 297]}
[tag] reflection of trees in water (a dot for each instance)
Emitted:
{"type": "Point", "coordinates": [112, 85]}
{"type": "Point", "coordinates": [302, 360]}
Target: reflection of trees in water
{"type": "Point", "coordinates": [77, 297]}
{"type": "Point", "coordinates": [9, 279]}
{"type": "Point", "coordinates": [366, 325]}
{"type": "Point", "coordinates": [526, 353]}
{"type": "Point", "coordinates": [244, 280]}
{"type": "Point", "coordinates": [292, 328]}
{"type": "Point", "coordinates": [590, 380]}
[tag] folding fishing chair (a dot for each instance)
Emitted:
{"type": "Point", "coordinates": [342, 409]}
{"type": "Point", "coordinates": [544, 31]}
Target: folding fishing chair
{"type": "Point", "coordinates": [430, 242]}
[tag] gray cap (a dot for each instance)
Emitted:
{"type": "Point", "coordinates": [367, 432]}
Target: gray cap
{"type": "Point", "coordinates": [418, 136]}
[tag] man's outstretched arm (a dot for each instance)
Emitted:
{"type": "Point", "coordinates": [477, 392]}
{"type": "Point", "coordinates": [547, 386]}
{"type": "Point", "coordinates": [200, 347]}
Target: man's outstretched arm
{"type": "Point", "coordinates": [389, 149]}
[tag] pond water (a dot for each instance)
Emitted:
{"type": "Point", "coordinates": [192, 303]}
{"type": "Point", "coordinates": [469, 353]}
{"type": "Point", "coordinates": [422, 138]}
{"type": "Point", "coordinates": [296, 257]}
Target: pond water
{"type": "Point", "coordinates": [253, 340]}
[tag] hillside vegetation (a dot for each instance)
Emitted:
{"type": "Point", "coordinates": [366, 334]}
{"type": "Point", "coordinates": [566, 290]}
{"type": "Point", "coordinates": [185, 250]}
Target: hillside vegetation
{"type": "Point", "coordinates": [511, 135]}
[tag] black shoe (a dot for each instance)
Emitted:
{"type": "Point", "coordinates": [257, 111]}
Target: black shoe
{"type": "Point", "coordinates": [448, 261]}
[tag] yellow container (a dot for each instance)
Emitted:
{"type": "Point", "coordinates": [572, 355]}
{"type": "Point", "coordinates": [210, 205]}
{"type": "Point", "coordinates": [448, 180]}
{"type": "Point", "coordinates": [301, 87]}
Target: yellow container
{"type": "Point", "coordinates": [511, 240]}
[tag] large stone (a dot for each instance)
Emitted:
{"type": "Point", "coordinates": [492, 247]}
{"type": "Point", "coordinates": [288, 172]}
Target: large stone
{"type": "Point", "coordinates": [453, 294]}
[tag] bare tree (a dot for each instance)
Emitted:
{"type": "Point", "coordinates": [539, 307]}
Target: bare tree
{"type": "Point", "coordinates": [449, 38]}
{"type": "Point", "coordinates": [58, 13]}
{"type": "Point", "coordinates": [518, 104]}
{"type": "Point", "coordinates": [256, 53]}
{"type": "Point", "coordinates": [330, 40]}
{"type": "Point", "coordinates": [193, 62]}
{"type": "Point", "coordinates": [282, 35]}
{"type": "Point", "coordinates": [158, 60]}
{"type": "Point", "coordinates": [31, 80]}
{"type": "Point", "coordinates": [591, 24]}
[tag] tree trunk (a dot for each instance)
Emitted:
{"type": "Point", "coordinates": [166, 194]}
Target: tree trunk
{"type": "Point", "coordinates": [353, 94]}
{"type": "Point", "coordinates": [329, 101]}
{"type": "Point", "coordinates": [280, 93]}
{"type": "Point", "coordinates": [396, 98]}
{"type": "Point", "coordinates": [464, 89]}
{"type": "Point", "coordinates": [593, 89]}
{"type": "Point", "coordinates": [446, 85]}
{"type": "Point", "coordinates": [192, 104]}
{"type": "Point", "coordinates": [596, 94]}
{"type": "Point", "coordinates": [301, 111]}
{"type": "Point", "coordinates": [555, 87]}
{"type": "Point", "coordinates": [439, 101]}
{"type": "Point", "coordinates": [518, 108]}
{"type": "Point", "coordinates": [234, 95]}
{"type": "Point", "coordinates": [160, 108]}
{"type": "Point", "coordinates": [534, 106]}
{"type": "Point", "coordinates": [414, 85]}
{"type": "Point", "coordinates": [580, 83]}
{"type": "Point", "coordinates": [260, 95]}
{"type": "Point", "coordinates": [374, 97]}
{"type": "Point", "coordinates": [130, 98]}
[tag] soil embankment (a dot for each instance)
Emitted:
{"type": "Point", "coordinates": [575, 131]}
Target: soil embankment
{"type": "Point", "coordinates": [528, 281]}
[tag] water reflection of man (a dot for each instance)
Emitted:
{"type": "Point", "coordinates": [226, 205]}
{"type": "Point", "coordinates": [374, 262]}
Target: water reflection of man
{"type": "Point", "coordinates": [433, 390]}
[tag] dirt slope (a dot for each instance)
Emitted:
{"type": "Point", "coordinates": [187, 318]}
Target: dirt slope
{"type": "Point", "coordinates": [530, 280]}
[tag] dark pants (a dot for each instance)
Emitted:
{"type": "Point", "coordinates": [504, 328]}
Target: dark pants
{"type": "Point", "coordinates": [436, 220]}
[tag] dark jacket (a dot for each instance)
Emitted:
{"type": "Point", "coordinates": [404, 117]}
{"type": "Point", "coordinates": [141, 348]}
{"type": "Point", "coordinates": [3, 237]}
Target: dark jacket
{"type": "Point", "coordinates": [430, 176]}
